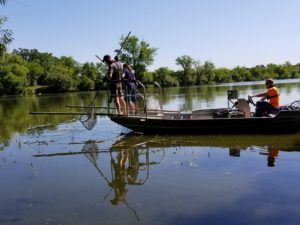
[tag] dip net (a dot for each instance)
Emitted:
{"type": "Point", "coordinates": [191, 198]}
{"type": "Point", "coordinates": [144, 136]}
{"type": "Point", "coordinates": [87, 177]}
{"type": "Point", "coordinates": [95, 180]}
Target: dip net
{"type": "Point", "coordinates": [88, 117]}
{"type": "Point", "coordinates": [90, 150]}
{"type": "Point", "coordinates": [153, 103]}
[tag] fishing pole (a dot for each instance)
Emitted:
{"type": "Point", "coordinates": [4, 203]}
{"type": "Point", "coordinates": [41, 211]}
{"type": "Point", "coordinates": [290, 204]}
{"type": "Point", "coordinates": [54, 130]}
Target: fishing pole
{"type": "Point", "coordinates": [122, 45]}
{"type": "Point", "coordinates": [118, 51]}
{"type": "Point", "coordinates": [99, 58]}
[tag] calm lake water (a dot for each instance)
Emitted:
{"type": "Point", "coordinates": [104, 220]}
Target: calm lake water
{"type": "Point", "coordinates": [54, 171]}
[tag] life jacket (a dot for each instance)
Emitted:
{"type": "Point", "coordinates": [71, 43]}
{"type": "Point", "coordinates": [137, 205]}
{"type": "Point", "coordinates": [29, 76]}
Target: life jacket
{"type": "Point", "coordinates": [273, 96]}
{"type": "Point", "coordinates": [117, 71]}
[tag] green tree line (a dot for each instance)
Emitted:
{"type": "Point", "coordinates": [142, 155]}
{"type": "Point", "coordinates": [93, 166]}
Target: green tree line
{"type": "Point", "coordinates": [26, 70]}
{"type": "Point", "coordinates": [30, 71]}
{"type": "Point", "coordinates": [192, 72]}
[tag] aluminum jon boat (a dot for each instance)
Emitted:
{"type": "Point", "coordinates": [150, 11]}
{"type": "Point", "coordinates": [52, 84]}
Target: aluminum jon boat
{"type": "Point", "coordinates": [204, 121]}
{"type": "Point", "coordinates": [235, 119]}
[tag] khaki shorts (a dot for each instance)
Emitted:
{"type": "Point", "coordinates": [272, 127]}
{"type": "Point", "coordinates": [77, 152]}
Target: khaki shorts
{"type": "Point", "coordinates": [116, 90]}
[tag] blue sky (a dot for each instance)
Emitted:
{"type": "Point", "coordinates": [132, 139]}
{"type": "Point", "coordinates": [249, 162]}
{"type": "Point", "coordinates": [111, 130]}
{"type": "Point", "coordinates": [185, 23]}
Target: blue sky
{"type": "Point", "coordinates": [227, 32]}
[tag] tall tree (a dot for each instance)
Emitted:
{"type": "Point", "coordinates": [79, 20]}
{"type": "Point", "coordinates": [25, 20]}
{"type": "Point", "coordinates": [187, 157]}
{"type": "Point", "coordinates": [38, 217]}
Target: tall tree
{"type": "Point", "coordinates": [186, 62]}
{"type": "Point", "coordinates": [3, 2]}
{"type": "Point", "coordinates": [208, 71]}
{"type": "Point", "coordinates": [165, 77]}
{"type": "Point", "coordinates": [137, 53]}
{"type": "Point", "coordinates": [5, 36]}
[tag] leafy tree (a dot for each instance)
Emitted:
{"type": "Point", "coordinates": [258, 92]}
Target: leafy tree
{"type": "Point", "coordinates": [5, 35]}
{"type": "Point", "coordinates": [86, 84]}
{"type": "Point", "coordinates": [58, 83]}
{"type": "Point", "coordinates": [287, 69]}
{"type": "Point", "coordinates": [69, 63]}
{"type": "Point", "coordinates": [259, 72]}
{"type": "Point", "coordinates": [57, 68]}
{"type": "Point", "coordinates": [88, 77]}
{"type": "Point", "coordinates": [28, 55]}
{"type": "Point", "coordinates": [13, 74]}
{"type": "Point", "coordinates": [208, 73]}
{"type": "Point", "coordinates": [137, 53]}
{"type": "Point", "coordinates": [147, 76]}
{"type": "Point", "coordinates": [89, 70]}
{"type": "Point", "coordinates": [165, 77]}
{"type": "Point", "coordinates": [186, 76]}
{"type": "Point", "coordinates": [37, 61]}
{"type": "Point", "coordinates": [240, 74]}
{"type": "Point", "coordinates": [198, 72]}
{"type": "Point", "coordinates": [295, 71]}
{"type": "Point", "coordinates": [275, 71]}
{"type": "Point", "coordinates": [12, 84]}
{"type": "Point", "coordinates": [222, 75]}
{"type": "Point", "coordinates": [46, 61]}
{"type": "Point", "coordinates": [35, 72]}
{"type": "Point", "coordinates": [101, 71]}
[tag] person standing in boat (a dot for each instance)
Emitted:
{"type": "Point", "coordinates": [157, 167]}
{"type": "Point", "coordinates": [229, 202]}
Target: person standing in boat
{"type": "Point", "coordinates": [130, 83]}
{"type": "Point", "coordinates": [272, 95]}
{"type": "Point", "coordinates": [114, 74]}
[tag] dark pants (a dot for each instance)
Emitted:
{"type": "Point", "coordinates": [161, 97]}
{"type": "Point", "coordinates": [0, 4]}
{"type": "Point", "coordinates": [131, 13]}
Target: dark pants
{"type": "Point", "coordinates": [264, 107]}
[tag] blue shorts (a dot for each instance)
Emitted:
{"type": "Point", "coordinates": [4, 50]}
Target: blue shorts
{"type": "Point", "coordinates": [131, 93]}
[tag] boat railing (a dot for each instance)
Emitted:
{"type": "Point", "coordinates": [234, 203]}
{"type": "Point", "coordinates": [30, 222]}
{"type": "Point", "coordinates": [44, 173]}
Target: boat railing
{"type": "Point", "coordinates": [143, 98]}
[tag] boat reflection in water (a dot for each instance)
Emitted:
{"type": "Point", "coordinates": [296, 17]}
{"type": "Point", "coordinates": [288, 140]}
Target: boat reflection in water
{"type": "Point", "coordinates": [269, 145]}
{"type": "Point", "coordinates": [201, 165]}
{"type": "Point", "coordinates": [271, 153]}
{"type": "Point", "coordinates": [130, 155]}
{"type": "Point", "coordinates": [129, 166]}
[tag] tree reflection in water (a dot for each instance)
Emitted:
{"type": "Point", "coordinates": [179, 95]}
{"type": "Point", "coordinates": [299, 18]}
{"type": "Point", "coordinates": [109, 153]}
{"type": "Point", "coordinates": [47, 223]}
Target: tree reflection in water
{"type": "Point", "coordinates": [129, 166]}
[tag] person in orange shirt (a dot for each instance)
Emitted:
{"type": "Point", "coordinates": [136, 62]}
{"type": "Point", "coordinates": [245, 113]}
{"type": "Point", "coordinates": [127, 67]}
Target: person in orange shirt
{"type": "Point", "coordinates": [272, 156]}
{"type": "Point", "coordinates": [272, 95]}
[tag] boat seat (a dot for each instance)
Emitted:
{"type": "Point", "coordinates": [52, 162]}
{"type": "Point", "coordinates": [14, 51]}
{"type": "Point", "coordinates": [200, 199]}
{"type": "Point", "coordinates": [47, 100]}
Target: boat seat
{"type": "Point", "coordinates": [244, 106]}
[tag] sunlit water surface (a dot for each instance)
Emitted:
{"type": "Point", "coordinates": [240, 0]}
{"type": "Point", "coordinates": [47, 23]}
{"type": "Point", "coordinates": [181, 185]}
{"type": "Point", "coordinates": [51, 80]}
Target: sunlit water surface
{"type": "Point", "coordinates": [65, 174]}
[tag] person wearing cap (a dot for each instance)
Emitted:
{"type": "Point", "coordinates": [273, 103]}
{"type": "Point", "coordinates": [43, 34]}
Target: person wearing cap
{"type": "Point", "coordinates": [113, 75]}
{"type": "Point", "coordinates": [272, 94]}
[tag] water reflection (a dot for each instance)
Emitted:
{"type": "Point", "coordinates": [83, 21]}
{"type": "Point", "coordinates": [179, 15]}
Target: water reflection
{"type": "Point", "coordinates": [268, 145]}
{"type": "Point", "coordinates": [143, 179]}
{"type": "Point", "coordinates": [271, 153]}
{"type": "Point", "coordinates": [235, 152]}
{"type": "Point", "coordinates": [128, 167]}
{"type": "Point", "coordinates": [208, 174]}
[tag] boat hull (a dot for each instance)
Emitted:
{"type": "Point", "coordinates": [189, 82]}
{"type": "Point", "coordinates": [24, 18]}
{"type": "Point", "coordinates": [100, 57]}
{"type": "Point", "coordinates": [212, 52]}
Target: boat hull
{"type": "Point", "coordinates": [283, 124]}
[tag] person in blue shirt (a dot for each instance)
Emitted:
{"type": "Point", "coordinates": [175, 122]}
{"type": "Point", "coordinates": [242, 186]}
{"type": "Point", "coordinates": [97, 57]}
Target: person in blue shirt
{"type": "Point", "coordinates": [130, 82]}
